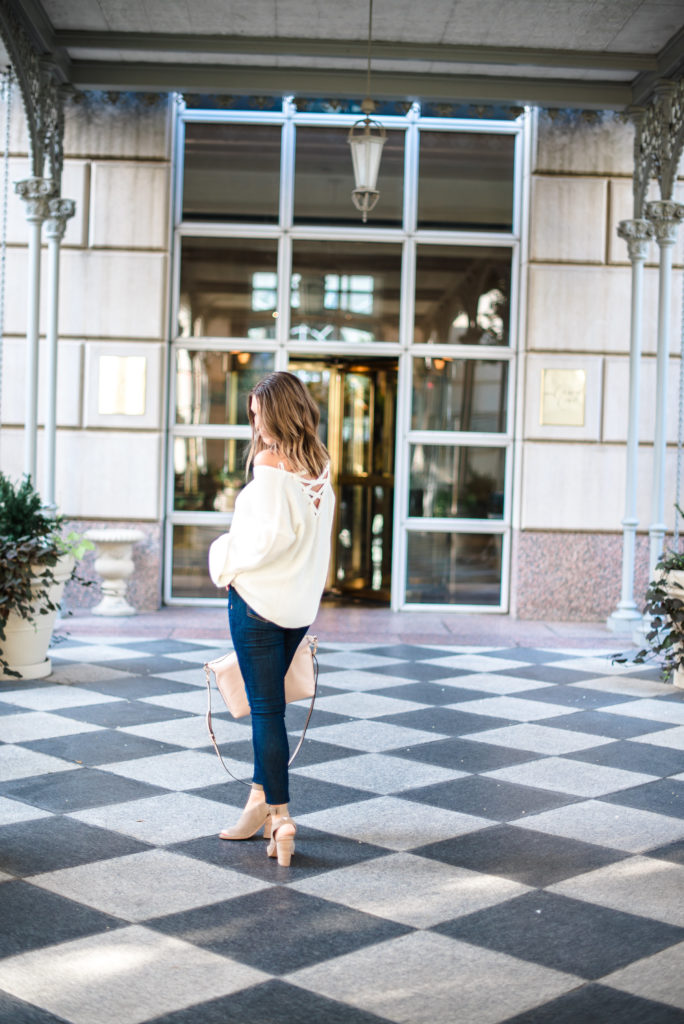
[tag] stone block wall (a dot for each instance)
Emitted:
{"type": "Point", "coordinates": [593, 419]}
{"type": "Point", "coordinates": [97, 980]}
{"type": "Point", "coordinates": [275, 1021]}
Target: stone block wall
{"type": "Point", "coordinates": [113, 302]}
{"type": "Point", "coordinates": [567, 547]}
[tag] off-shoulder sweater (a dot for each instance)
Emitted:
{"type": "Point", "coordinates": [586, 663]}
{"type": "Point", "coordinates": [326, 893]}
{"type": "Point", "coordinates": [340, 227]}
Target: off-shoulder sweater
{"type": "Point", "coordinates": [277, 551]}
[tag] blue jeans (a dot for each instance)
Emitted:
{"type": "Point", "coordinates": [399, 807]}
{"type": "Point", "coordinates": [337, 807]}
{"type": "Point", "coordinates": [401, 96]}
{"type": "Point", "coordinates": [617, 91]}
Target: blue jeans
{"type": "Point", "coordinates": [264, 652]}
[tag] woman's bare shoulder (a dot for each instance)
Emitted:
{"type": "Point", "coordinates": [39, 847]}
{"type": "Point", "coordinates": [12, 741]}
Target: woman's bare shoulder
{"type": "Point", "coordinates": [268, 458]}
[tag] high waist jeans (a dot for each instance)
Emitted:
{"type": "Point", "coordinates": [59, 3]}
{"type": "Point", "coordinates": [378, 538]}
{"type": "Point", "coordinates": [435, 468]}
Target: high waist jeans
{"type": "Point", "coordinates": [264, 652]}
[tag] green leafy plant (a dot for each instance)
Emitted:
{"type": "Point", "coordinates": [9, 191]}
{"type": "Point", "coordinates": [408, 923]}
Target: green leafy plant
{"type": "Point", "coordinates": [665, 608]}
{"type": "Point", "coordinates": [30, 547]}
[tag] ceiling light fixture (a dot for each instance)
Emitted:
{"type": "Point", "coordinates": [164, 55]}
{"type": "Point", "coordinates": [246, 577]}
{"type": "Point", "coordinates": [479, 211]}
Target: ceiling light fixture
{"type": "Point", "coordinates": [366, 139]}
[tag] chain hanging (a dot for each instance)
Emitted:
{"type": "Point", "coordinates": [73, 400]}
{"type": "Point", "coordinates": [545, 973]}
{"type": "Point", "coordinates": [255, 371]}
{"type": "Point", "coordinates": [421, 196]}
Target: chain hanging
{"type": "Point", "coordinates": [6, 95]}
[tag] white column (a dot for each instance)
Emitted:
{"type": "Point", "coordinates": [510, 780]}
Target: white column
{"type": "Point", "coordinates": [666, 216]}
{"type": "Point", "coordinates": [637, 233]}
{"type": "Point", "coordinates": [59, 212]}
{"type": "Point", "coordinates": [34, 192]}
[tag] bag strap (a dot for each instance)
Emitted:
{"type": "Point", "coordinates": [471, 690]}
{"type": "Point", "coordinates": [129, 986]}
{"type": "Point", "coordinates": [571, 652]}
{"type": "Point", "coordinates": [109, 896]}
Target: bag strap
{"type": "Point", "coordinates": [313, 646]}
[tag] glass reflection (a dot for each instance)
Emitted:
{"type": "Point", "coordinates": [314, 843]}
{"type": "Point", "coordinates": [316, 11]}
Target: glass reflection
{"type": "Point", "coordinates": [209, 473]}
{"type": "Point", "coordinates": [324, 179]}
{"type": "Point", "coordinates": [462, 295]}
{"type": "Point", "coordinates": [189, 575]}
{"type": "Point", "coordinates": [231, 171]}
{"type": "Point", "coordinates": [212, 387]}
{"type": "Point", "coordinates": [454, 568]}
{"type": "Point", "coordinates": [228, 288]}
{"type": "Point", "coordinates": [459, 394]}
{"type": "Point", "coordinates": [459, 482]}
{"type": "Point", "coordinates": [347, 292]}
{"type": "Point", "coordinates": [466, 180]}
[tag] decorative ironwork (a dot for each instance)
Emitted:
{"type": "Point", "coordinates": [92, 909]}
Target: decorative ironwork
{"type": "Point", "coordinates": [658, 142]}
{"type": "Point", "coordinates": [42, 96]}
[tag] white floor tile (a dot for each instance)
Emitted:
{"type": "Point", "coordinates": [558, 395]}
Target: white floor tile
{"type": "Point", "coordinates": [20, 763]}
{"type": "Point", "coordinates": [623, 828]}
{"type": "Point", "coordinates": [378, 773]}
{"type": "Point", "coordinates": [181, 770]}
{"type": "Point", "coordinates": [651, 709]}
{"type": "Point", "coordinates": [52, 698]}
{"type": "Point", "coordinates": [372, 737]}
{"type": "Point", "coordinates": [39, 725]}
{"type": "Point", "coordinates": [673, 738]}
{"type": "Point", "coordinates": [13, 811]}
{"type": "Point", "coordinates": [656, 977]}
{"type": "Point", "coordinates": [540, 739]}
{"type": "Point", "coordinates": [122, 977]}
{"type": "Point", "coordinates": [515, 708]}
{"type": "Point", "coordinates": [366, 705]}
{"type": "Point", "coordinates": [162, 820]}
{"type": "Point", "coordinates": [562, 775]}
{"type": "Point", "coordinates": [95, 652]}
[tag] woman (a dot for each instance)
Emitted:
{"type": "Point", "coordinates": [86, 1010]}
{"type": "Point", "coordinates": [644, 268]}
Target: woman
{"type": "Point", "coordinates": [274, 563]}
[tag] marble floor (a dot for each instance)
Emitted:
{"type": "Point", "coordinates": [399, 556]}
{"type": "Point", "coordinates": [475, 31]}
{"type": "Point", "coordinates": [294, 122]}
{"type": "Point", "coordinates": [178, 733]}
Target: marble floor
{"type": "Point", "coordinates": [486, 834]}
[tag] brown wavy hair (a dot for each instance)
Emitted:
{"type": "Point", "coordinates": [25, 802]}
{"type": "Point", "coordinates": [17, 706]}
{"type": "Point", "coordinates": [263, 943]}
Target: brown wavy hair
{"type": "Point", "coordinates": [290, 416]}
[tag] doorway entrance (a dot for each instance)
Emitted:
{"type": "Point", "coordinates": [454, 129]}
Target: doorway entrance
{"type": "Point", "coordinates": [358, 401]}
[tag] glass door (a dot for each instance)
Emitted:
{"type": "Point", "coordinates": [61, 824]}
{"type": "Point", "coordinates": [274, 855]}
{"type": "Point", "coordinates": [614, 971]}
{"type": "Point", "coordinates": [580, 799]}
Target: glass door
{"type": "Point", "coordinates": [358, 406]}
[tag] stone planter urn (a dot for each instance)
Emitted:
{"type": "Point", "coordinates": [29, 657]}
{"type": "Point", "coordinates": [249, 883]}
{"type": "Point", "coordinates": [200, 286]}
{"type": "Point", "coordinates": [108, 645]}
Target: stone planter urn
{"type": "Point", "coordinates": [27, 641]}
{"type": "Point", "coordinates": [114, 563]}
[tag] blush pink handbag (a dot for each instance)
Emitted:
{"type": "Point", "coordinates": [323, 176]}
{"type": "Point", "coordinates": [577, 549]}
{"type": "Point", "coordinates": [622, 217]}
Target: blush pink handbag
{"type": "Point", "coordinates": [301, 682]}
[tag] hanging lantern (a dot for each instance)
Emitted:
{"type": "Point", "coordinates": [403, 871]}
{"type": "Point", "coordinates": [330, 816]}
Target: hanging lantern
{"type": "Point", "coordinates": [366, 139]}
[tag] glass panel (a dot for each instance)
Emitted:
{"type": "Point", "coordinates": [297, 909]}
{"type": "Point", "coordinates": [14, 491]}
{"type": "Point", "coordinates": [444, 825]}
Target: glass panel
{"type": "Point", "coordinates": [324, 179]}
{"type": "Point", "coordinates": [189, 575]}
{"type": "Point", "coordinates": [208, 473]}
{"type": "Point", "coordinates": [459, 394]}
{"type": "Point", "coordinates": [212, 387]}
{"type": "Point", "coordinates": [462, 295]}
{"type": "Point", "coordinates": [228, 288]}
{"type": "Point", "coordinates": [317, 380]}
{"type": "Point", "coordinates": [356, 424]}
{"type": "Point", "coordinates": [454, 568]}
{"type": "Point", "coordinates": [466, 181]}
{"type": "Point", "coordinates": [462, 482]}
{"type": "Point", "coordinates": [363, 553]}
{"type": "Point", "coordinates": [346, 291]}
{"type": "Point", "coordinates": [232, 171]}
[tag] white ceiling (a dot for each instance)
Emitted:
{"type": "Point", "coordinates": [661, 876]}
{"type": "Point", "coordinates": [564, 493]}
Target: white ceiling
{"type": "Point", "coordinates": [555, 52]}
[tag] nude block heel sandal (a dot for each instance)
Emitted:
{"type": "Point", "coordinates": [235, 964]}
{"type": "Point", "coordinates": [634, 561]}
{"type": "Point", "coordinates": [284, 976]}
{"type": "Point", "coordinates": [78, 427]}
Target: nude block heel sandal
{"type": "Point", "coordinates": [282, 842]}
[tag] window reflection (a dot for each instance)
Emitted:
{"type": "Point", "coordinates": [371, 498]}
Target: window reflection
{"type": "Point", "coordinates": [228, 288]}
{"type": "Point", "coordinates": [456, 482]}
{"type": "Point", "coordinates": [212, 387]}
{"type": "Point", "coordinates": [231, 171]}
{"type": "Point", "coordinates": [209, 473]}
{"type": "Point", "coordinates": [454, 568]}
{"type": "Point", "coordinates": [466, 180]}
{"type": "Point", "coordinates": [189, 576]}
{"type": "Point", "coordinates": [345, 292]}
{"type": "Point", "coordinates": [459, 394]}
{"type": "Point", "coordinates": [462, 295]}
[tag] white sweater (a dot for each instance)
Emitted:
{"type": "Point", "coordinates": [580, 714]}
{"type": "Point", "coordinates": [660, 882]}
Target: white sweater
{"type": "Point", "coordinates": [278, 548]}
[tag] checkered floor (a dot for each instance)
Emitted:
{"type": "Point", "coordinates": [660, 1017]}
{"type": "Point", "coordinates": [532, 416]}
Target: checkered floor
{"type": "Point", "coordinates": [485, 835]}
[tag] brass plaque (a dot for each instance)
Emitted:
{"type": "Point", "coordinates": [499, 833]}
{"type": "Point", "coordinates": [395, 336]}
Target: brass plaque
{"type": "Point", "coordinates": [563, 398]}
{"type": "Point", "coordinates": [122, 383]}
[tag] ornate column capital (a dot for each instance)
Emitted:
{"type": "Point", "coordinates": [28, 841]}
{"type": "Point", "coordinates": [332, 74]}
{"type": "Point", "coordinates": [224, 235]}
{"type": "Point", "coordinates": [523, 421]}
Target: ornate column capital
{"type": "Point", "coordinates": [666, 216]}
{"type": "Point", "coordinates": [35, 192]}
{"type": "Point", "coordinates": [637, 233]}
{"type": "Point", "coordinates": [59, 212]}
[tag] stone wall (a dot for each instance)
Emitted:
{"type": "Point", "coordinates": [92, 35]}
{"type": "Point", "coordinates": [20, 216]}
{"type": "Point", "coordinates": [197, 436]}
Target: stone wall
{"type": "Point", "coordinates": [572, 478]}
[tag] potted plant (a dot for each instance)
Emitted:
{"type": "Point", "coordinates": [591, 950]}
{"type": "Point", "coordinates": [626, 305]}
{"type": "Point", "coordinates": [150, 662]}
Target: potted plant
{"type": "Point", "coordinates": [35, 563]}
{"type": "Point", "coordinates": [665, 608]}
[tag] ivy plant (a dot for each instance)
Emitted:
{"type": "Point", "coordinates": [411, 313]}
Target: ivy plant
{"type": "Point", "coordinates": [665, 608]}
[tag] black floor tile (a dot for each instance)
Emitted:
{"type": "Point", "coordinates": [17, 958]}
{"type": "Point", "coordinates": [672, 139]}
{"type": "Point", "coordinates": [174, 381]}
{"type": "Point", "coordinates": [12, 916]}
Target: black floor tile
{"type": "Point", "coordinates": [274, 1002]}
{"type": "Point", "coordinates": [564, 934]}
{"type": "Point", "coordinates": [580, 697]}
{"type": "Point", "coordinates": [167, 646]}
{"type": "Point", "coordinates": [532, 655]}
{"type": "Point", "coordinates": [137, 687]}
{"type": "Point", "coordinates": [151, 666]}
{"type": "Point", "coordinates": [445, 720]}
{"type": "Point", "coordinates": [121, 713]}
{"type": "Point", "coordinates": [77, 789]}
{"type": "Point", "coordinates": [420, 671]}
{"type": "Point", "coordinates": [406, 652]}
{"type": "Point", "coordinates": [432, 693]}
{"type": "Point", "coordinates": [40, 918]}
{"type": "Point", "coordinates": [671, 851]}
{"type": "Point", "coordinates": [316, 930]}
{"type": "Point", "coordinates": [16, 1011]}
{"type": "Point", "coordinates": [636, 757]}
{"type": "Point", "coordinates": [306, 793]}
{"type": "Point", "coordinates": [10, 709]}
{"type": "Point", "coordinates": [666, 796]}
{"type": "Point", "coordinates": [465, 755]}
{"type": "Point", "coordinates": [104, 747]}
{"type": "Point", "coordinates": [547, 674]}
{"type": "Point", "coordinates": [601, 723]}
{"type": "Point", "coordinates": [29, 684]}
{"type": "Point", "coordinates": [316, 852]}
{"type": "Point", "coordinates": [489, 798]}
{"type": "Point", "coordinates": [598, 1004]}
{"type": "Point", "coordinates": [49, 844]}
{"type": "Point", "coordinates": [521, 854]}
